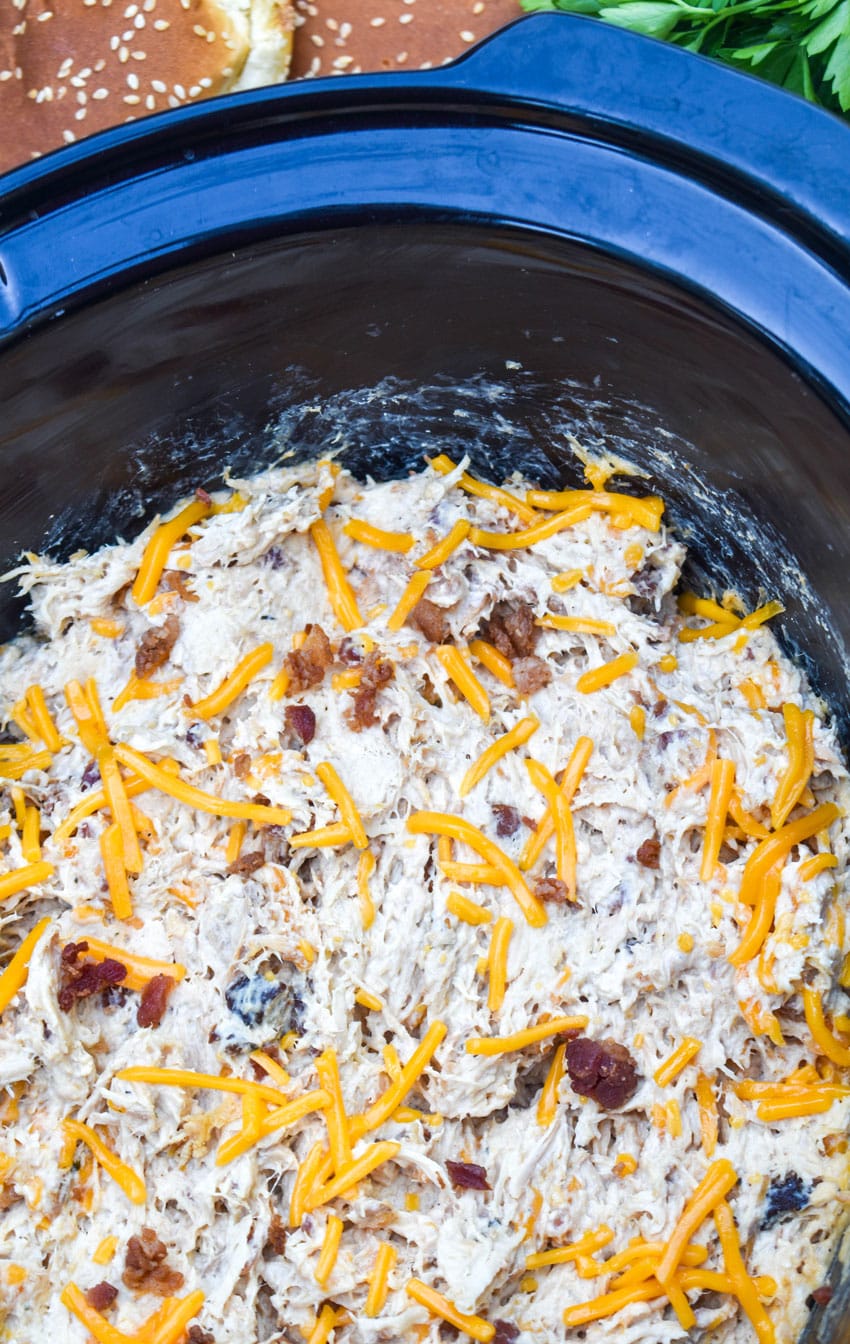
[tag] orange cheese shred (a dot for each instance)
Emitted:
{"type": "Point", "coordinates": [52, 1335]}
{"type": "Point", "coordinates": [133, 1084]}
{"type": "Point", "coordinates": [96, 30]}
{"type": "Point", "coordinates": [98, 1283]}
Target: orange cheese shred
{"type": "Point", "coordinates": [112, 853]}
{"type": "Point", "coordinates": [483, 489]}
{"type": "Point", "coordinates": [708, 1118]}
{"type": "Point", "coordinates": [722, 783]}
{"type": "Point", "coordinates": [315, 1167]}
{"type": "Point", "coordinates": [672, 1066]}
{"type": "Point", "coordinates": [442, 823]}
{"type": "Point", "coordinates": [469, 911]}
{"type": "Point", "coordinates": [438, 1305]}
{"type": "Point", "coordinates": [330, 1250]}
{"type": "Point", "coordinates": [340, 795]}
{"type": "Point", "coordinates": [14, 976]}
{"type": "Point", "coordinates": [799, 727]}
{"type": "Point", "coordinates": [341, 595]}
{"type": "Point", "coordinates": [327, 1068]}
{"type": "Point", "coordinates": [529, 536]}
{"type": "Point", "coordinates": [129, 1181]}
{"type": "Point", "coordinates": [599, 677]}
{"type": "Point", "coordinates": [563, 1255]}
{"type": "Point", "coordinates": [495, 662]}
{"type": "Point", "coordinates": [359, 530]}
{"type": "Point", "coordinates": [826, 1042]}
{"type": "Point", "coordinates": [414, 590]}
{"type": "Point", "coordinates": [365, 869]}
{"type": "Point", "coordinates": [498, 963]}
{"type": "Point", "coordinates": [158, 548]}
{"type": "Point", "coordinates": [234, 684]}
{"type": "Point", "coordinates": [501, 1045]}
{"type": "Point", "coordinates": [438, 554]}
{"type": "Point", "coordinates": [762, 877]}
{"type": "Point", "coordinates": [390, 1100]}
{"type": "Point", "coordinates": [565, 840]}
{"type": "Point", "coordinates": [21, 879]}
{"type": "Point", "coordinates": [464, 678]}
{"type": "Point", "coordinates": [641, 511]}
{"type": "Point", "coordinates": [357, 1170]}
{"type": "Point", "coordinates": [714, 1186]}
{"type": "Point", "coordinates": [119, 806]}
{"type": "Point", "coordinates": [509, 741]}
{"type": "Point", "coordinates": [548, 1103]}
{"type": "Point", "coordinates": [44, 724]}
{"type": "Point", "coordinates": [572, 777]}
{"type": "Point", "coordinates": [177, 788]}
{"type": "Point", "coordinates": [742, 1285]}
{"type": "Point", "coordinates": [379, 1279]}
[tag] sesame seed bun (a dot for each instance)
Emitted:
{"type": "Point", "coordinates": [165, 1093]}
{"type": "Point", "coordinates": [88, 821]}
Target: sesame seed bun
{"type": "Point", "coordinates": [336, 37]}
{"type": "Point", "coordinates": [71, 67]}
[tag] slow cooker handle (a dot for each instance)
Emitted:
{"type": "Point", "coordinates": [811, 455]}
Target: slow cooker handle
{"type": "Point", "coordinates": [647, 88]}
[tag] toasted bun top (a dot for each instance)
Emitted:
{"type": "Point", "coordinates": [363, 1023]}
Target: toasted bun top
{"type": "Point", "coordinates": [350, 36]}
{"type": "Point", "coordinates": [70, 67]}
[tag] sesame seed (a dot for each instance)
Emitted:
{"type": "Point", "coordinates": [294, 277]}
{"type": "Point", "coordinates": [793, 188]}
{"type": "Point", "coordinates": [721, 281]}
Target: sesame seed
{"type": "Point", "coordinates": [479, 8]}
{"type": "Point", "coordinates": [466, 36]}
{"type": "Point", "coordinates": [123, 54]}
{"type": "Point", "coordinates": [317, 40]}
{"type": "Point", "coordinates": [179, 90]}
{"type": "Point", "coordinates": [332, 24]}
{"type": "Point", "coordinates": [195, 91]}
{"type": "Point", "coordinates": [161, 25]}
{"type": "Point", "coordinates": [131, 99]}
{"type": "Point", "coordinates": [46, 14]}
{"type": "Point", "coordinates": [139, 55]}
{"type": "Point", "coordinates": [345, 30]}
{"type": "Point", "coordinates": [133, 81]}
{"type": "Point", "coordinates": [68, 137]}
{"type": "Point", "coordinates": [150, 103]}
{"type": "Point", "coordinates": [342, 62]}
{"type": "Point", "coordinates": [131, 11]}
{"type": "Point", "coordinates": [80, 114]}
{"type": "Point", "coordinates": [159, 86]}
{"type": "Point", "coordinates": [139, 21]}
{"type": "Point", "coordinates": [402, 57]}
{"type": "Point", "coordinates": [377, 23]}
{"type": "Point", "coordinates": [100, 94]}
{"type": "Point", "coordinates": [405, 18]}
{"type": "Point", "coordinates": [316, 65]}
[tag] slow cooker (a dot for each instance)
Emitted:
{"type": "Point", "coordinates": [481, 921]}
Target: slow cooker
{"type": "Point", "coordinates": [572, 230]}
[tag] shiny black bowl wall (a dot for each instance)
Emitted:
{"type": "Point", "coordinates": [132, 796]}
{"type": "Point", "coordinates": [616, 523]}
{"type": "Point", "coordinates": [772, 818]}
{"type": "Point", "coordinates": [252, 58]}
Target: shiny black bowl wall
{"type": "Point", "coordinates": [571, 231]}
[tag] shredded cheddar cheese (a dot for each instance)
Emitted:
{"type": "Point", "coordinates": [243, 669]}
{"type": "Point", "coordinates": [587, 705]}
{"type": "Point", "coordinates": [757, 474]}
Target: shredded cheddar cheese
{"type": "Point", "coordinates": [637, 721]}
{"type": "Point", "coordinates": [114, 864]}
{"type": "Point", "coordinates": [577, 625]}
{"type": "Point", "coordinates": [597, 678]}
{"type": "Point", "coordinates": [14, 976]}
{"type": "Point", "coordinates": [564, 1255]}
{"type": "Point", "coordinates": [799, 726]}
{"type": "Point", "coordinates": [21, 879]}
{"type": "Point", "coordinates": [495, 662]}
{"type": "Point", "coordinates": [464, 678]}
{"type": "Point", "coordinates": [572, 777]}
{"type": "Point", "coordinates": [528, 536]}
{"type": "Point", "coordinates": [440, 553]}
{"type": "Point", "coordinates": [438, 1305]}
{"type": "Point", "coordinates": [379, 1279]}
{"type": "Point", "coordinates": [638, 511]}
{"type": "Point", "coordinates": [483, 489]}
{"type": "Point", "coordinates": [177, 788]}
{"type": "Point", "coordinates": [742, 1285]}
{"type": "Point", "coordinates": [340, 795]}
{"type": "Point", "coordinates": [359, 530]}
{"type": "Point", "coordinates": [159, 546]}
{"type": "Point", "coordinates": [687, 1050]}
{"type": "Point", "coordinates": [547, 1104]}
{"type": "Point", "coordinates": [498, 963]}
{"type": "Point", "coordinates": [365, 869]}
{"type": "Point", "coordinates": [441, 823]}
{"type": "Point", "coordinates": [827, 1043]}
{"type": "Point", "coordinates": [44, 725]}
{"type": "Point", "coordinates": [502, 1045]}
{"type": "Point", "coordinates": [341, 595]}
{"type": "Point", "coordinates": [357, 1170]}
{"type": "Point", "coordinates": [323, 837]}
{"type": "Point", "coordinates": [715, 1185]}
{"type": "Point", "coordinates": [234, 684]}
{"type": "Point", "coordinates": [469, 911]}
{"type": "Point", "coordinates": [129, 1181]}
{"type": "Point", "coordinates": [509, 741]}
{"type": "Point", "coordinates": [327, 1068]}
{"type": "Point", "coordinates": [414, 590]}
{"type": "Point", "coordinates": [722, 784]}
{"type": "Point", "coordinates": [708, 1119]}
{"type": "Point", "coordinates": [330, 1249]}
{"type": "Point", "coordinates": [565, 840]}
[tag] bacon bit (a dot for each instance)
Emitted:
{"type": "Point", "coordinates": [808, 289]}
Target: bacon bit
{"type": "Point", "coordinates": [467, 1176]}
{"type": "Point", "coordinates": [247, 864]}
{"type": "Point", "coordinates": [176, 581]}
{"type": "Point", "coordinates": [377, 673]}
{"type": "Point", "coordinates": [306, 666]}
{"type": "Point", "coordinates": [531, 674]}
{"type": "Point", "coordinates": [156, 645]}
{"type": "Point", "coordinates": [552, 889]}
{"type": "Point", "coordinates": [349, 653]}
{"type": "Point", "coordinates": [659, 708]}
{"type": "Point", "coordinates": [241, 763]}
{"type": "Point", "coordinates": [201, 494]}
{"type": "Point", "coordinates": [508, 820]}
{"type": "Point", "coordinates": [145, 1270]}
{"type": "Point", "coordinates": [82, 979]}
{"type": "Point", "coordinates": [198, 1336]}
{"type": "Point", "coordinates": [506, 1332]}
{"type": "Point", "coordinates": [101, 1296]}
{"type": "Point", "coordinates": [277, 1234]}
{"type": "Point", "coordinates": [301, 721]}
{"type": "Point", "coordinates": [649, 853]}
{"type": "Point", "coordinates": [154, 1000]}
{"type": "Point", "coordinates": [431, 620]}
{"type": "Point", "coordinates": [823, 1295]}
{"type": "Point", "coordinates": [511, 629]}
{"type": "Point", "coordinates": [603, 1070]}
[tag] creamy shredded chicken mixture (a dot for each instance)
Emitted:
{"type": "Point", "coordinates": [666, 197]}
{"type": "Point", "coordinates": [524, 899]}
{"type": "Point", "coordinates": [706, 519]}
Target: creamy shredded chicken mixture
{"type": "Point", "coordinates": [277, 961]}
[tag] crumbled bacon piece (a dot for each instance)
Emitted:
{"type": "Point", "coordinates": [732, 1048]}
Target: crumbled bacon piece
{"type": "Point", "coordinates": [552, 889]}
{"type": "Point", "coordinates": [241, 763]}
{"type": "Point", "coordinates": [301, 721]}
{"type": "Point", "coordinates": [101, 1295]}
{"type": "Point", "coordinates": [176, 581]}
{"type": "Point", "coordinates": [82, 979]}
{"type": "Point", "coordinates": [202, 495]}
{"type": "Point", "coordinates": [154, 1000]}
{"type": "Point", "coordinates": [247, 864]}
{"type": "Point", "coordinates": [467, 1175]}
{"type": "Point", "coordinates": [198, 1336]}
{"type": "Point", "coordinates": [145, 1268]}
{"type": "Point", "coordinates": [276, 1235]}
{"type": "Point", "coordinates": [649, 853]}
{"type": "Point", "coordinates": [603, 1070]}
{"type": "Point", "coordinates": [508, 820]}
{"type": "Point", "coordinates": [306, 666]}
{"type": "Point", "coordinates": [531, 674]}
{"type": "Point", "coordinates": [506, 1332]}
{"type": "Point", "coordinates": [431, 620]}
{"type": "Point", "coordinates": [156, 645]}
{"type": "Point", "coordinates": [377, 672]}
{"type": "Point", "coordinates": [511, 629]}
{"type": "Point", "coordinates": [823, 1295]}
{"type": "Point", "coordinates": [349, 653]}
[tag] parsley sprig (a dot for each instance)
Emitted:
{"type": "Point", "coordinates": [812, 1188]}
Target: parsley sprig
{"type": "Point", "coordinates": [803, 45]}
